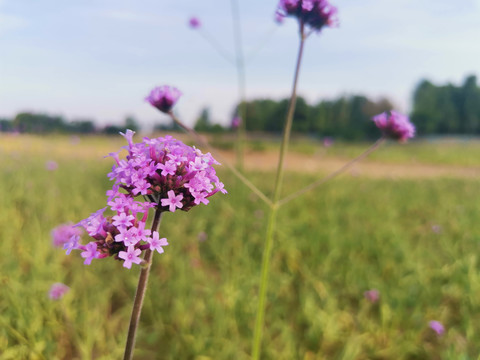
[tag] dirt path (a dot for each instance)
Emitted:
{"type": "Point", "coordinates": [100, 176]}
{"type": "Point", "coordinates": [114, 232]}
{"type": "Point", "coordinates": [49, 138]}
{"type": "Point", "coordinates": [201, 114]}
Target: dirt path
{"type": "Point", "coordinates": [315, 164]}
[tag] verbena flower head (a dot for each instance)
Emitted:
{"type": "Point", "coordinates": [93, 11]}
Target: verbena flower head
{"type": "Point", "coordinates": [62, 234]}
{"type": "Point", "coordinates": [314, 13]}
{"type": "Point", "coordinates": [161, 173]}
{"type": "Point", "coordinates": [164, 97]}
{"type": "Point", "coordinates": [395, 125]}
{"type": "Point", "coordinates": [57, 291]}
{"type": "Point", "coordinates": [194, 23]}
{"type": "Point", "coordinates": [437, 327]}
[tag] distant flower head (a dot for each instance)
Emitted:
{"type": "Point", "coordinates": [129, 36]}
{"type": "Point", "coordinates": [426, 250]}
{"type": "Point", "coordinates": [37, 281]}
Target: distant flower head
{"type": "Point", "coordinates": [327, 141]}
{"type": "Point", "coordinates": [437, 327]}
{"type": "Point", "coordinates": [313, 13]}
{"type": "Point", "coordinates": [202, 236]}
{"type": "Point", "coordinates": [62, 234]}
{"type": "Point", "coordinates": [372, 295]}
{"type": "Point", "coordinates": [164, 97]}
{"type": "Point", "coordinates": [57, 291]}
{"type": "Point", "coordinates": [163, 173]}
{"type": "Point", "coordinates": [236, 121]}
{"type": "Point", "coordinates": [51, 165]}
{"type": "Point", "coordinates": [437, 229]}
{"type": "Point", "coordinates": [395, 125]}
{"type": "Point", "coordinates": [194, 23]}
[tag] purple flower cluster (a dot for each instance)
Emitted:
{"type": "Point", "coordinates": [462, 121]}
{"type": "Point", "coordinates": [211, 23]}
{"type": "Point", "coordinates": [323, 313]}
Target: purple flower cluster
{"type": "Point", "coordinates": [314, 13]}
{"type": "Point", "coordinates": [164, 97]}
{"type": "Point", "coordinates": [57, 291]}
{"type": "Point", "coordinates": [395, 125]}
{"type": "Point", "coordinates": [194, 23]}
{"type": "Point", "coordinates": [437, 326]}
{"type": "Point", "coordinates": [168, 174]}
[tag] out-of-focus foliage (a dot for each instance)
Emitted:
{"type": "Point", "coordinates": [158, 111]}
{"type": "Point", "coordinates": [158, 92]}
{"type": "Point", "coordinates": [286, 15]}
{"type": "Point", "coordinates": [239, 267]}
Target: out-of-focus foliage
{"type": "Point", "coordinates": [447, 109]}
{"type": "Point", "coordinates": [346, 117]}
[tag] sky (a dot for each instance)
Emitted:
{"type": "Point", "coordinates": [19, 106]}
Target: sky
{"type": "Point", "coordinates": [99, 59]}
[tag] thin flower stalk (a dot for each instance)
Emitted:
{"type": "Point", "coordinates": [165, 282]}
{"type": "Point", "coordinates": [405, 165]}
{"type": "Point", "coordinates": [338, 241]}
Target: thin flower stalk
{"type": "Point", "coordinates": [140, 293]}
{"type": "Point", "coordinates": [334, 174]}
{"type": "Point", "coordinates": [267, 252]}
{"type": "Point", "coordinates": [241, 80]}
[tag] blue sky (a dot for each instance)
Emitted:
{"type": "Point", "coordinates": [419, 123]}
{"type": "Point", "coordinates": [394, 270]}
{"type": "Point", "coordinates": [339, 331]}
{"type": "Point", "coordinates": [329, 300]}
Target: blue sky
{"type": "Point", "coordinates": [99, 58]}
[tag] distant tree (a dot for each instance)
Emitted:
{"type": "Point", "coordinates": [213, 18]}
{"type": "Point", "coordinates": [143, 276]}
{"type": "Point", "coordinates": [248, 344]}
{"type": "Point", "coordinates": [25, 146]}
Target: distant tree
{"type": "Point", "coordinates": [203, 123]}
{"type": "Point", "coordinates": [38, 123]}
{"type": "Point", "coordinates": [131, 123]}
{"type": "Point", "coordinates": [81, 127]}
{"type": "Point", "coordinates": [6, 125]}
{"type": "Point", "coordinates": [112, 129]}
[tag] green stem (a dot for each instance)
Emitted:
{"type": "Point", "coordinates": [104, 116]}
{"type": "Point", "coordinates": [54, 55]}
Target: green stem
{"type": "Point", "coordinates": [333, 174]}
{"type": "Point", "coordinates": [219, 48]}
{"type": "Point", "coordinates": [140, 293]}
{"type": "Point", "coordinates": [241, 79]}
{"type": "Point", "coordinates": [267, 252]}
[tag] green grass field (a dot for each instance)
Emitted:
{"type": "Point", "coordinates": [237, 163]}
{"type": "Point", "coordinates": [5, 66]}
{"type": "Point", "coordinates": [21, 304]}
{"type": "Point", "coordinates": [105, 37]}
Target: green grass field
{"type": "Point", "coordinates": [349, 236]}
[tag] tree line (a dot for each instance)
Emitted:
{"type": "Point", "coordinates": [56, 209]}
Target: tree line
{"type": "Point", "coordinates": [437, 109]}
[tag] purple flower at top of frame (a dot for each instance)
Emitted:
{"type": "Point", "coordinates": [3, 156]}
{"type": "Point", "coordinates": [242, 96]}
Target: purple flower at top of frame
{"type": "Point", "coordinates": [395, 125]}
{"type": "Point", "coordinates": [57, 291]}
{"type": "Point", "coordinates": [194, 22]}
{"type": "Point", "coordinates": [63, 233]}
{"type": "Point", "coordinates": [372, 295]}
{"type": "Point", "coordinates": [437, 326]}
{"type": "Point", "coordinates": [314, 13]}
{"type": "Point", "coordinates": [164, 97]}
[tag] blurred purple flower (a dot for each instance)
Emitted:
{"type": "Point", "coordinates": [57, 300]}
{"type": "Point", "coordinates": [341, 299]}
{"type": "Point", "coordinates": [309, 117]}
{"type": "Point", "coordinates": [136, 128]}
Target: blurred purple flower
{"type": "Point", "coordinates": [57, 291]}
{"type": "Point", "coordinates": [194, 23]}
{"type": "Point", "coordinates": [236, 121]}
{"type": "Point", "coordinates": [62, 234]}
{"type": "Point", "coordinates": [372, 295]}
{"type": "Point", "coordinates": [202, 236]}
{"type": "Point", "coordinates": [437, 229]}
{"type": "Point", "coordinates": [437, 327]}
{"type": "Point", "coordinates": [51, 165]}
{"type": "Point", "coordinates": [164, 97]}
{"type": "Point", "coordinates": [395, 125]}
{"type": "Point", "coordinates": [327, 141]}
{"type": "Point", "coordinates": [313, 13]}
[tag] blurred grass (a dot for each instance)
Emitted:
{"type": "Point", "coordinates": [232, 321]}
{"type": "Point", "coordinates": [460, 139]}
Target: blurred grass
{"type": "Point", "coordinates": [349, 236]}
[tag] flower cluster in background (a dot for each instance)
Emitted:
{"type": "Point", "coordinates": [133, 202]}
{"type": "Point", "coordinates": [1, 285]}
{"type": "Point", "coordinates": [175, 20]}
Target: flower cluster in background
{"type": "Point", "coordinates": [63, 233]}
{"type": "Point", "coordinates": [168, 175]}
{"type": "Point", "coordinates": [194, 22]}
{"type": "Point", "coordinates": [57, 291]}
{"type": "Point", "coordinates": [164, 97]}
{"type": "Point", "coordinates": [314, 13]}
{"type": "Point", "coordinates": [395, 125]}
